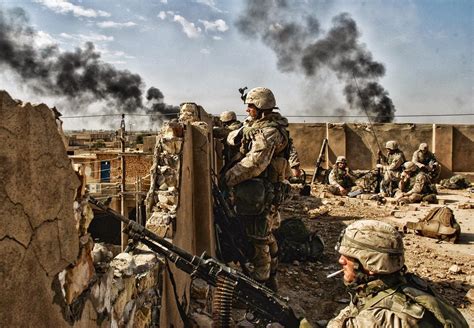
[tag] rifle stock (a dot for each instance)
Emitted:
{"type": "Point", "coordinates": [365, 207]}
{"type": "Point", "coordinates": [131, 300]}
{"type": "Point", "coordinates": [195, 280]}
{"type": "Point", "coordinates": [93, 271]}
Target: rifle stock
{"type": "Point", "coordinates": [319, 161]}
{"type": "Point", "coordinates": [262, 301]}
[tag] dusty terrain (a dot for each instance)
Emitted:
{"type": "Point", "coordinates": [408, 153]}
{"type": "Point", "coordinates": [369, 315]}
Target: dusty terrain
{"type": "Point", "coordinates": [448, 267]}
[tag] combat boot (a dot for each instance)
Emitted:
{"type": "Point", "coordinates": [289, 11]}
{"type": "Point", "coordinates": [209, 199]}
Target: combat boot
{"type": "Point", "coordinates": [272, 283]}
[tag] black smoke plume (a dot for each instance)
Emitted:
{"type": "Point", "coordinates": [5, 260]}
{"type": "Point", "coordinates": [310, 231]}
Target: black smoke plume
{"type": "Point", "coordinates": [300, 47]}
{"type": "Point", "coordinates": [80, 74]}
{"type": "Point", "coordinates": [156, 105]}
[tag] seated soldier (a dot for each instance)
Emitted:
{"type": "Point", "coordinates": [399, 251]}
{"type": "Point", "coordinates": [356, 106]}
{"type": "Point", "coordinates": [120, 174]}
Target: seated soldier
{"type": "Point", "coordinates": [392, 166]}
{"type": "Point", "coordinates": [426, 161]}
{"type": "Point", "coordinates": [383, 293]}
{"type": "Point", "coordinates": [415, 186]}
{"type": "Point", "coordinates": [341, 178]}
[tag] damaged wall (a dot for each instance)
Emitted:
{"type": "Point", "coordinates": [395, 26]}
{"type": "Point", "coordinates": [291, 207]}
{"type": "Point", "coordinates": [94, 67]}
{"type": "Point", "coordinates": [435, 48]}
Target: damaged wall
{"type": "Point", "coordinates": [178, 203]}
{"type": "Point", "coordinates": [52, 272]}
{"type": "Point", "coordinates": [452, 144]}
{"type": "Point", "coordinates": [38, 238]}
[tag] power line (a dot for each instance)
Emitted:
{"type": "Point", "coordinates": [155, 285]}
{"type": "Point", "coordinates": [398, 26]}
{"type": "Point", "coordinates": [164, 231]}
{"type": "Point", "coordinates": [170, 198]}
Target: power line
{"type": "Point", "coordinates": [294, 116]}
{"type": "Point", "coordinates": [119, 114]}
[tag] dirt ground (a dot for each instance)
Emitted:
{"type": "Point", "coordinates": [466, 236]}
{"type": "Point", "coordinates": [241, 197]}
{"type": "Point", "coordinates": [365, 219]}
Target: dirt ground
{"type": "Point", "coordinates": [448, 267]}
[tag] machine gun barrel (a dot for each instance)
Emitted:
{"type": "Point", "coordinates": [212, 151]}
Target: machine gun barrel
{"type": "Point", "coordinates": [262, 301]}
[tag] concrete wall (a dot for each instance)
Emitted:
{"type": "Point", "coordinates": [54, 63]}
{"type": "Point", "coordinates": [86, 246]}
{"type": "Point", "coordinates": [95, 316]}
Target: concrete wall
{"type": "Point", "coordinates": [453, 144]}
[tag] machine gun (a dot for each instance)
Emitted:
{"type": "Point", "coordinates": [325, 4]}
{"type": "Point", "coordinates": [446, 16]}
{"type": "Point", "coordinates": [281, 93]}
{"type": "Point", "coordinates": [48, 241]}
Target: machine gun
{"type": "Point", "coordinates": [319, 161]}
{"type": "Point", "coordinates": [230, 284]}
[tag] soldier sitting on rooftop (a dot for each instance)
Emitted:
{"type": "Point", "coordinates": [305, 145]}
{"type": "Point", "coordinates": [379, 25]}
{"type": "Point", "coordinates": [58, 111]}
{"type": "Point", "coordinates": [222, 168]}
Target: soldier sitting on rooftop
{"type": "Point", "coordinates": [426, 161]}
{"type": "Point", "coordinates": [392, 165]}
{"type": "Point", "coordinates": [341, 178]}
{"type": "Point", "coordinates": [415, 186]}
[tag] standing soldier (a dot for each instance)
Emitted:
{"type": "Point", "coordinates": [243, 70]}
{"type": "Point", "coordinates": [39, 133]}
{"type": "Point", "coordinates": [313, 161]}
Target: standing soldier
{"type": "Point", "coordinates": [257, 180]}
{"type": "Point", "coordinates": [426, 161]}
{"type": "Point", "coordinates": [383, 293]}
{"type": "Point", "coordinates": [392, 165]}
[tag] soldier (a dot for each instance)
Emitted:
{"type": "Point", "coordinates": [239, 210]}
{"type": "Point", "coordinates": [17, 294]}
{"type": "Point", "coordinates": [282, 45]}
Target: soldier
{"type": "Point", "coordinates": [426, 161]}
{"type": "Point", "coordinates": [229, 123]}
{"type": "Point", "coordinates": [341, 178]}
{"type": "Point", "coordinates": [383, 293]}
{"type": "Point", "coordinates": [392, 167]}
{"type": "Point", "coordinates": [415, 186]}
{"type": "Point", "coordinates": [257, 180]}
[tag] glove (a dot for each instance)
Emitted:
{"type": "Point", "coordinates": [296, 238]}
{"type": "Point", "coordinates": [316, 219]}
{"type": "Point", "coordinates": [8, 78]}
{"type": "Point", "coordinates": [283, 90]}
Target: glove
{"type": "Point", "coordinates": [249, 132]}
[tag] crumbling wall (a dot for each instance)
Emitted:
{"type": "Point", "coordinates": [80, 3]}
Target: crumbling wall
{"type": "Point", "coordinates": [38, 236]}
{"type": "Point", "coordinates": [178, 203]}
{"type": "Point", "coordinates": [52, 273]}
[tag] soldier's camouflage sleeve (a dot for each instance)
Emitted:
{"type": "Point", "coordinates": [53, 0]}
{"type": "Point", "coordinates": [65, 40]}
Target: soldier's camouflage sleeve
{"type": "Point", "coordinates": [415, 158]}
{"type": "Point", "coordinates": [395, 162]}
{"type": "Point", "coordinates": [374, 317]}
{"type": "Point", "coordinates": [257, 159]}
{"type": "Point", "coordinates": [333, 179]}
{"type": "Point", "coordinates": [294, 160]}
{"type": "Point", "coordinates": [420, 182]}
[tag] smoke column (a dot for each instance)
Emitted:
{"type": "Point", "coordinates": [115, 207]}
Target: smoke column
{"type": "Point", "coordinates": [80, 74]}
{"type": "Point", "coordinates": [300, 47]}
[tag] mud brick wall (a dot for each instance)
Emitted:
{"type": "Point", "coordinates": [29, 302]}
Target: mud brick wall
{"type": "Point", "coordinates": [453, 145]}
{"type": "Point", "coordinates": [137, 165]}
{"type": "Point", "coordinates": [52, 273]}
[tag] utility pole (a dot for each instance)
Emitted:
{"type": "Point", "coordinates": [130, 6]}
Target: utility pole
{"type": "Point", "coordinates": [124, 239]}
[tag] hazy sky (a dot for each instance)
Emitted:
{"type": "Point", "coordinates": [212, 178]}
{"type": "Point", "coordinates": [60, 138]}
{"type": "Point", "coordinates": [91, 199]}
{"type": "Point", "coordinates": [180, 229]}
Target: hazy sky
{"type": "Point", "coordinates": [197, 51]}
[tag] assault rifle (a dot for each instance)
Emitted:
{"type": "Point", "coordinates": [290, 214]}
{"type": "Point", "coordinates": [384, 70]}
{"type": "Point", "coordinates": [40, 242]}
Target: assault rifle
{"type": "Point", "coordinates": [230, 284]}
{"type": "Point", "coordinates": [230, 235]}
{"type": "Point", "coordinates": [319, 161]}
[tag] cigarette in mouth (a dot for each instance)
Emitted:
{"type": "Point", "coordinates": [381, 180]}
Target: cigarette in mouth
{"type": "Point", "coordinates": [334, 273]}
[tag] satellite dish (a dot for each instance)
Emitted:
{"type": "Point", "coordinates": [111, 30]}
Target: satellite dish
{"type": "Point", "coordinates": [88, 171]}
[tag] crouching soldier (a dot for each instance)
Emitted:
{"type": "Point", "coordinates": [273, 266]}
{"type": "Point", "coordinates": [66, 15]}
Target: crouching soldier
{"type": "Point", "coordinates": [415, 186]}
{"type": "Point", "coordinates": [341, 178]}
{"type": "Point", "coordinates": [383, 293]}
{"type": "Point", "coordinates": [426, 161]}
{"type": "Point", "coordinates": [392, 168]}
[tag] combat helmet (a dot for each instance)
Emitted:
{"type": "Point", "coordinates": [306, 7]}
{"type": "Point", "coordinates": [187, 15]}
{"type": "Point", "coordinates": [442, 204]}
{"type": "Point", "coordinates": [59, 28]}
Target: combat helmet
{"type": "Point", "coordinates": [341, 159]}
{"type": "Point", "coordinates": [261, 97]}
{"type": "Point", "coordinates": [423, 146]}
{"type": "Point", "coordinates": [410, 166]}
{"type": "Point", "coordinates": [391, 144]}
{"type": "Point", "coordinates": [376, 245]}
{"type": "Point", "coordinates": [228, 116]}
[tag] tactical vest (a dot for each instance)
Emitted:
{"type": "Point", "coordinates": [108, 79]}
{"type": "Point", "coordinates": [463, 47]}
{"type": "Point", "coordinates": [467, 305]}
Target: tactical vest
{"type": "Point", "coordinates": [415, 298]}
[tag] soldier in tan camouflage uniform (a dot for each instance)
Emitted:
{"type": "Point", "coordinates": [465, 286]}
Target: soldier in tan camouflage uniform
{"type": "Point", "coordinates": [258, 180]}
{"type": "Point", "coordinates": [426, 161]}
{"type": "Point", "coordinates": [229, 123]}
{"type": "Point", "coordinates": [415, 186]}
{"type": "Point", "coordinates": [392, 168]}
{"type": "Point", "coordinates": [341, 178]}
{"type": "Point", "coordinates": [383, 293]}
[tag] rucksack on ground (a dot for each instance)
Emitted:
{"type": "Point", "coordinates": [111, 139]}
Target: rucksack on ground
{"type": "Point", "coordinates": [439, 223]}
{"type": "Point", "coordinates": [296, 242]}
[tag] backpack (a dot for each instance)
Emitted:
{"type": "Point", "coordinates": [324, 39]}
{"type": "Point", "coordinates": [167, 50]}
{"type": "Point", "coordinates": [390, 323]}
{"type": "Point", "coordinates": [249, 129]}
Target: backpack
{"type": "Point", "coordinates": [439, 223]}
{"type": "Point", "coordinates": [295, 242]}
{"type": "Point", "coordinates": [456, 182]}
